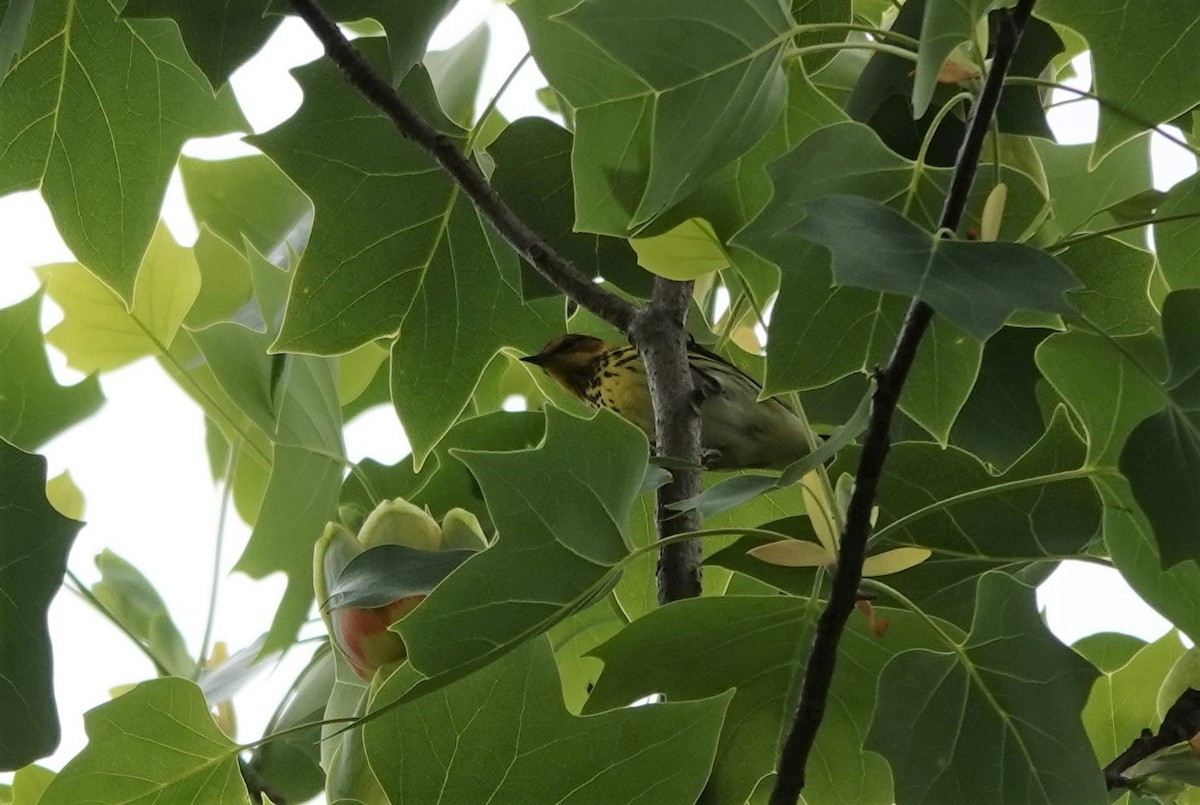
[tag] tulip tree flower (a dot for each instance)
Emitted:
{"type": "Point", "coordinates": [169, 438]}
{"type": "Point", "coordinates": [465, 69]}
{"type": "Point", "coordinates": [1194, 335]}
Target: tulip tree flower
{"type": "Point", "coordinates": [360, 629]}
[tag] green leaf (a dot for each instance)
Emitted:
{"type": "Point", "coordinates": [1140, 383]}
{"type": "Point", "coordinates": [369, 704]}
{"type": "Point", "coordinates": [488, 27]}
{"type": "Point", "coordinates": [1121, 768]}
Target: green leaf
{"type": "Point", "coordinates": [560, 512]}
{"type": "Point", "coordinates": [1178, 241]}
{"type": "Point", "coordinates": [33, 406]}
{"type": "Point", "coordinates": [1043, 509]}
{"type": "Point", "coordinates": [387, 573]}
{"type": "Point", "coordinates": [98, 333]}
{"type": "Point", "coordinates": [757, 645]}
{"type": "Point", "coordinates": [456, 73]}
{"type": "Point", "coordinates": [574, 639]}
{"type": "Point", "coordinates": [1110, 384]}
{"type": "Point", "coordinates": [434, 273]}
{"type": "Point", "coordinates": [819, 334]}
{"type": "Point", "coordinates": [248, 198]}
{"type": "Point", "coordinates": [1146, 76]}
{"type": "Point", "coordinates": [533, 174]}
{"type": "Point", "coordinates": [301, 497]}
{"type": "Point", "coordinates": [994, 718]}
{"type": "Point", "coordinates": [225, 284]}
{"type": "Point", "coordinates": [1002, 418]}
{"type": "Point", "coordinates": [459, 742]}
{"type": "Point", "coordinates": [1116, 279]}
{"type": "Point", "coordinates": [34, 542]}
{"type": "Point", "coordinates": [81, 118]}
{"type": "Point", "coordinates": [650, 127]}
{"type": "Point", "coordinates": [1161, 458]}
{"type": "Point", "coordinates": [1123, 700]}
{"type": "Point", "coordinates": [156, 743]}
{"type": "Point", "coordinates": [220, 35]}
{"type": "Point", "coordinates": [1081, 196]}
{"type": "Point", "coordinates": [945, 25]}
{"type": "Point", "coordinates": [969, 283]}
{"type": "Point", "coordinates": [135, 604]}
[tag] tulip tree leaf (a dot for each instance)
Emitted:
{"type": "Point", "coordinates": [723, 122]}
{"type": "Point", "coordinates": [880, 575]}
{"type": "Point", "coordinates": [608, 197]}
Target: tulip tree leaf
{"type": "Point", "coordinates": [157, 743]}
{"type": "Point", "coordinates": [552, 557]}
{"type": "Point", "coordinates": [34, 542]}
{"type": "Point", "coordinates": [758, 645]}
{"type": "Point", "coordinates": [650, 126]}
{"type": "Point", "coordinates": [1161, 458]}
{"type": "Point", "coordinates": [1147, 91]}
{"type": "Point", "coordinates": [460, 741]}
{"type": "Point", "coordinates": [996, 719]}
{"type": "Point", "coordinates": [974, 285]}
{"type": "Point", "coordinates": [946, 25]}
{"type": "Point", "coordinates": [220, 34]}
{"type": "Point", "coordinates": [247, 198]}
{"type": "Point", "coordinates": [387, 573]}
{"type": "Point", "coordinates": [430, 270]}
{"type": "Point", "coordinates": [81, 118]}
{"type": "Point", "coordinates": [33, 406]}
{"type": "Point", "coordinates": [533, 174]}
{"type": "Point", "coordinates": [1178, 241]}
{"type": "Point", "coordinates": [1042, 508]}
{"type": "Point", "coordinates": [1121, 702]}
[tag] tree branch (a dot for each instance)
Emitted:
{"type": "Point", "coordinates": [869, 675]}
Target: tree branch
{"type": "Point", "coordinates": [660, 334]}
{"type": "Point", "coordinates": [561, 273]}
{"type": "Point", "coordinates": [889, 382]}
{"type": "Point", "coordinates": [1180, 724]}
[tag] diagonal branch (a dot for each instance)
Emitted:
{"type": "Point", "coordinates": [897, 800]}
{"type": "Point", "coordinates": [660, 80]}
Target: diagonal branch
{"type": "Point", "coordinates": [660, 334]}
{"type": "Point", "coordinates": [889, 382]}
{"type": "Point", "coordinates": [658, 330]}
{"type": "Point", "coordinates": [1181, 723]}
{"type": "Point", "coordinates": [560, 272]}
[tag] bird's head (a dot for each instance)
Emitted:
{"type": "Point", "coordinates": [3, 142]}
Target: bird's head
{"type": "Point", "coordinates": [569, 359]}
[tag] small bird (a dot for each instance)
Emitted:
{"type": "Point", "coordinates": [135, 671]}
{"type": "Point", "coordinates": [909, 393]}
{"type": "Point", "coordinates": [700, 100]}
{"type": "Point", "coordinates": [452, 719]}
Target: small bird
{"type": "Point", "coordinates": [738, 431]}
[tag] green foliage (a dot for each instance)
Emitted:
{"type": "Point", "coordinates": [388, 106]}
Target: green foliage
{"type": "Point", "coordinates": [794, 161]}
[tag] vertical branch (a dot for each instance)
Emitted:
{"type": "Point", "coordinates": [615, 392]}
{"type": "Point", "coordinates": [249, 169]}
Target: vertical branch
{"type": "Point", "coordinates": [660, 334]}
{"type": "Point", "coordinates": [889, 382]}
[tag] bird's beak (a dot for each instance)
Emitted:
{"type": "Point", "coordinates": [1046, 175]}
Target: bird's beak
{"type": "Point", "coordinates": [536, 360]}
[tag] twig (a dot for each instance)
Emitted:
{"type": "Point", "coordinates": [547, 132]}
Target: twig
{"type": "Point", "coordinates": [660, 335]}
{"type": "Point", "coordinates": [1180, 724]}
{"type": "Point", "coordinates": [888, 383]}
{"type": "Point", "coordinates": [562, 274]}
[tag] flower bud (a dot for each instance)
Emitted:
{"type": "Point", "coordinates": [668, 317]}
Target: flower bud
{"type": "Point", "coordinates": [363, 634]}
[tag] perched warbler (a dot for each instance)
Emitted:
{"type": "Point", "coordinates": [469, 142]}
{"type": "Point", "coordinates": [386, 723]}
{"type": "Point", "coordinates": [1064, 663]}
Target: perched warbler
{"type": "Point", "coordinates": [738, 431]}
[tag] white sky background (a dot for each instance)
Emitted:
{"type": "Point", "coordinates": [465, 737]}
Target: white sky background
{"type": "Point", "coordinates": [142, 467]}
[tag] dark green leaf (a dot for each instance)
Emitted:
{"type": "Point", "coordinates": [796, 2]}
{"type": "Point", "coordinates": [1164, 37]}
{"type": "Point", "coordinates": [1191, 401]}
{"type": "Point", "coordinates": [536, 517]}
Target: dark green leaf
{"type": "Point", "coordinates": [945, 25]}
{"type": "Point", "coordinates": [1116, 279]}
{"type": "Point", "coordinates": [971, 284]}
{"type": "Point", "coordinates": [33, 406]}
{"type": "Point", "coordinates": [649, 125]}
{"type": "Point", "coordinates": [456, 72]}
{"type": "Point", "coordinates": [104, 183]}
{"type": "Point", "coordinates": [555, 553]}
{"type": "Point", "coordinates": [1081, 196]}
{"type": "Point", "coordinates": [34, 542]}
{"type": "Point", "coordinates": [157, 743]}
{"type": "Point", "coordinates": [135, 604]}
{"type": "Point", "coordinates": [1146, 91]}
{"type": "Point", "coordinates": [387, 573]}
{"type": "Point", "coordinates": [461, 741]}
{"type": "Point", "coordinates": [1178, 241]}
{"type": "Point", "coordinates": [533, 174]}
{"type": "Point", "coordinates": [996, 718]}
{"type": "Point", "coordinates": [220, 34]}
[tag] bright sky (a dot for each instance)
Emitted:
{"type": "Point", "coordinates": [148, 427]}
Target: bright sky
{"type": "Point", "coordinates": [149, 495]}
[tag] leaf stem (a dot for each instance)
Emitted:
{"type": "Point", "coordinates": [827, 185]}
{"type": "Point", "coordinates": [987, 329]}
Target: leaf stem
{"type": "Point", "coordinates": [889, 382]}
{"type": "Point", "coordinates": [215, 586]}
{"type": "Point", "coordinates": [477, 129]}
{"type": "Point", "coordinates": [1060, 246]}
{"type": "Point", "coordinates": [83, 592]}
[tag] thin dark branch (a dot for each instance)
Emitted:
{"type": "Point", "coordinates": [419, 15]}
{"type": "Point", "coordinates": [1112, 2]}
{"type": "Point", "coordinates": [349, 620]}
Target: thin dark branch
{"type": "Point", "coordinates": [1180, 724]}
{"type": "Point", "coordinates": [888, 383]}
{"type": "Point", "coordinates": [660, 334]}
{"type": "Point", "coordinates": [562, 274]}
